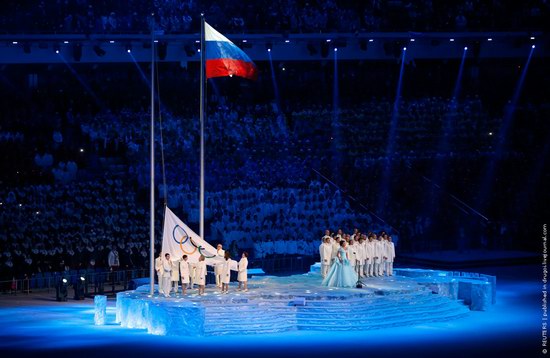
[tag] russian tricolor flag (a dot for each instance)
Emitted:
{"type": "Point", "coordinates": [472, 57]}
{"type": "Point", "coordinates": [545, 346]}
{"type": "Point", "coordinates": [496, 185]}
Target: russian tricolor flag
{"type": "Point", "coordinates": [224, 58]}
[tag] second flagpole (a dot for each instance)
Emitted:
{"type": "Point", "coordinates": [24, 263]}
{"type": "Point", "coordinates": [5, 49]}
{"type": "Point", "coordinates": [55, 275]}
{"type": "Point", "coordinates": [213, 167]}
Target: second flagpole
{"type": "Point", "coordinates": [202, 119]}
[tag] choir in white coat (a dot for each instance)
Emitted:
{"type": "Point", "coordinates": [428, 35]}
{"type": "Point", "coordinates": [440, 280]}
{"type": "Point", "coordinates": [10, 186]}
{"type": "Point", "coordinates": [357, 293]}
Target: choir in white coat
{"type": "Point", "coordinates": [325, 251]}
{"type": "Point", "coordinates": [371, 255]}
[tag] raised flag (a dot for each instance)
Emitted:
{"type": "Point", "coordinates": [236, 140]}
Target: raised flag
{"type": "Point", "coordinates": [224, 58]}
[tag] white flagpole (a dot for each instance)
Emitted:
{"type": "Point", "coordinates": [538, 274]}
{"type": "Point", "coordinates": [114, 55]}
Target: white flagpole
{"type": "Point", "coordinates": [202, 119]}
{"type": "Point", "coordinates": [152, 189]}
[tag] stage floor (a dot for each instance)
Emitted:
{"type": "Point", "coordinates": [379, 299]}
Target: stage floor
{"type": "Point", "coordinates": [37, 325]}
{"type": "Point", "coordinates": [298, 302]}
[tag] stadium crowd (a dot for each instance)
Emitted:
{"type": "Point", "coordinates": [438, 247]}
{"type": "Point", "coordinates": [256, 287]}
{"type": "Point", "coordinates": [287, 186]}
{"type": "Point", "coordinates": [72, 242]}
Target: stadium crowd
{"type": "Point", "coordinates": [282, 16]}
{"type": "Point", "coordinates": [75, 172]}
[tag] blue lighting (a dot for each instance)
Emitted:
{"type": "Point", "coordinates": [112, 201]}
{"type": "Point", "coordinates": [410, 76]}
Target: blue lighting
{"type": "Point", "coordinates": [501, 137]}
{"type": "Point", "coordinates": [489, 39]}
{"type": "Point", "coordinates": [111, 42]}
{"type": "Point", "coordinates": [245, 41]}
{"type": "Point", "coordinates": [14, 42]}
{"type": "Point", "coordinates": [466, 48]}
{"type": "Point", "coordinates": [68, 328]}
{"type": "Point", "coordinates": [287, 41]}
{"type": "Point", "coordinates": [412, 40]}
{"type": "Point", "coordinates": [335, 49]}
{"type": "Point", "coordinates": [328, 40]}
{"type": "Point", "coordinates": [65, 42]}
{"type": "Point", "coordinates": [452, 40]}
{"type": "Point", "coordinates": [532, 37]}
{"type": "Point", "coordinates": [383, 184]}
{"type": "Point", "coordinates": [128, 50]}
{"type": "Point", "coordinates": [274, 82]}
{"type": "Point", "coordinates": [371, 40]}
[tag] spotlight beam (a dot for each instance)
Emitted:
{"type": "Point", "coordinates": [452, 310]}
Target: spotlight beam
{"type": "Point", "coordinates": [390, 146]}
{"type": "Point", "coordinates": [441, 165]}
{"type": "Point", "coordinates": [488, 178]}
{"type": "Point", "coordinates": [274, 81]}
{"type": "Point", "coordinates": [336, 134]}
{"type": "Point", "coordinates": [145, 79]}
{"type": "Point", "coordinates": [84, 84]}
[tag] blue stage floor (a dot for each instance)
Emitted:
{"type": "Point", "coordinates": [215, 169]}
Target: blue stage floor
{"type": "Point", "coordinates": [512, 328]}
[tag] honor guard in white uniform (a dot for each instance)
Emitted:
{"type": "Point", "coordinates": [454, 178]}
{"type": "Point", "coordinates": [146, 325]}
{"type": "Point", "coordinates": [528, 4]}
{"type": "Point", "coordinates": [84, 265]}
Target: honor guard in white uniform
{"type": "Point", "coordinates": [200, 274]}
{"type": "Point", "coordinates": [192, 275]}
{"type": "Point", "coordinates": [175, 277]}
{"type": "Point", "coordinates": [166, 275]}
{"type": "Point", "coordinates": [218, 268]}
{"type": "Point", "coordinates": [184, 273]}
{"type": "Point", "coordinates": [243, 272]}
{"type": "Point", "coordinates": [160, 272]}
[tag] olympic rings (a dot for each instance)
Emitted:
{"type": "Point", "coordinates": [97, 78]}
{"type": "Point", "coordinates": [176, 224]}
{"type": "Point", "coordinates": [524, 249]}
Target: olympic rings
{"type": "Point", "coordinates": [185, 252]}
{"type": "Point", "coordinates": [183, 240]}
{"type": "Point", "coordinates": [200, 252]}
{"type": "Point", "coordinates": [174, 235]}
{"type": "Point", "coordinates": [200, 249]}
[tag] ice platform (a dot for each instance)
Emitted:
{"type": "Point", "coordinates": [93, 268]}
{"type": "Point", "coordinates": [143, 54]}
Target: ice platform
{"type": "Point", "coordinates": [271, 305]}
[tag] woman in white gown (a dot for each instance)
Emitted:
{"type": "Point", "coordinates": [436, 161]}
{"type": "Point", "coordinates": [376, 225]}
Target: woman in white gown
{"type": "Point", "coordinates": [341, 273]}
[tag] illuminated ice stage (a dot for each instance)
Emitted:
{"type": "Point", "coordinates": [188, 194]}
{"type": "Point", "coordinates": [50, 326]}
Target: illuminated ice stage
{"type": "Point", "coordinates": [300, 303]}
{"type": "Point", "coordinates": [37, 326]}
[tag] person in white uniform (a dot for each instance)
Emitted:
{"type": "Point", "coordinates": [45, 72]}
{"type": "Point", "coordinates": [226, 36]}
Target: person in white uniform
{"type": "Point", "coordinates": [166, 275]}
{"type": "Point", "coordinates": [175, 277]}
{"type": "Point", "coordinates": [243, 272]}
{"type": "Point", "coordinates": [369, 256]}
{"type": "Point", "coordinates": [373, 269]}
{"type": "Point", "coordinates": [335, 247]}
{"type": "Point", "coordinates": [218, 268]}
{"type": "Point", "coordinates": [160, 272]}
{"type": "Point", "coordinates": [184, 273]}
{"type": "Point", "coordinates": [360, 246]}
{"type": "Point", "coordinates": [226, 272]}
{"type": "Point", "coordinates": [192, 275]}
{"type": "Point", "coordinates": [327, 235]}
{"type": "Point", "coordinates": [390, 251]}
{"type": "Point", "coordinates": [200, 272]}
{"type": "Point", "coordinates": [381, 255]}
{"type": "Point", "coordinates": [325, 251]}
{"type": "Point", "coordinates": [352, 254]}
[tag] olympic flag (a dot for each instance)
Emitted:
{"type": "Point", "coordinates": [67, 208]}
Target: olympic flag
{"type": "Point", "coordinates": [178, 240]}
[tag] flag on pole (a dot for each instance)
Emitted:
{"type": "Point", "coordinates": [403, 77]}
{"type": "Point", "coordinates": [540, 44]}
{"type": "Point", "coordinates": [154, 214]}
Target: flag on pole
{"type": "Point", "coordinates": [224, 58]}
{"type": "Point", "coordinates": [178, 240]}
